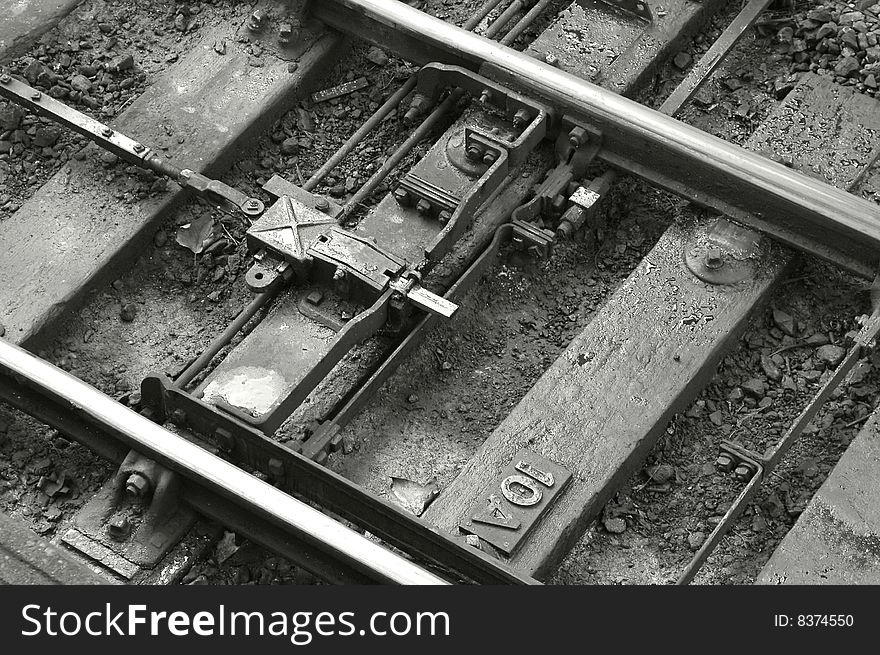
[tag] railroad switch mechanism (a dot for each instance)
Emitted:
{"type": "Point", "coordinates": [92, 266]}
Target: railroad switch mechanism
{"type": "Point", "coordinates": [520, 496]}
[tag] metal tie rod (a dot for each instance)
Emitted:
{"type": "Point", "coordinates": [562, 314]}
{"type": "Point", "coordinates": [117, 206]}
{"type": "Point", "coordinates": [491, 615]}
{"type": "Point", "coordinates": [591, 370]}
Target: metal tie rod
{"type": "Point", "coordinates": [797, 209]}
{"type": "Point", "coordinates": [195, 463]}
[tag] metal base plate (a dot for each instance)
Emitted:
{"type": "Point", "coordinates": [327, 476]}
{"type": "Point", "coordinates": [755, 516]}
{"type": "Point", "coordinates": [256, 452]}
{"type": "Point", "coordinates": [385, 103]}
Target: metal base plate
{"type": "Point", "coordinates": [522, 493]}
{"type": "Point", "coordinates": [723, 252]}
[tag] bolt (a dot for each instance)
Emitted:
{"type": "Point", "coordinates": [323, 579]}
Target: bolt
{"type": "Point", "coordinates": [315, 298]}
{"type": "Point", "coordinates": [551, 59]}
{"type": "Point", "coordinates": [137, 486]}
{"type": "Point", "coordinates": [714, 259]}
{"type": "Point", "coordinates": [178, 417]}
{"type": "Point", "coordinates": [485, 97]}
{"type": "Point", "coordinates": [521, 118]}
{"type": "Point", "coordinates": [5, 79]}
{"type": "Point", "coordinates": [402, 197]}
{"type": "Point", "coordinates": [139, 148]}
{"type": "Point", "coordinates": [36, 95]}
{"type": "Point", "coordinates": [417, 106]}
{"type": "Point", "coordinates": [338, 275]}
{"type": "Point", "coordinates": [285, 31]}
{"type": "Point", "coordinates": [119, 528]}
{"type": "Point", "coordinates": [255, 24]}
{"type": "Point", "coordinates": [322, 204]}
{"type": "Point", "coordinates": [423, 206]}
{"type": "Point", "coordinates": [252, 206]}
{"type": "Point", "coordinates": [474, 152]}
{"type": "Point", "coordinates": [489, 158]}
{"type": "Point", "coordinates": [578, 137]}
{"type": "Point", "coordinates": [724, 463]}
{"type": "Point", "coordinates": [444, 216]}
{"type": "Point", "coordinates": [224, 436]}
{"type": "Point", "coordinates": [107, 132]}
{"type": "Point", "coordinates": [743, 472]}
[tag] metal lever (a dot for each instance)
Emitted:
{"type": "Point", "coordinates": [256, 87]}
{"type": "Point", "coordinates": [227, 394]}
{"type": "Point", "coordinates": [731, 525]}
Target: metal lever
{"type": "Point", "coordinates": [121, 145]}
{"type": "Point", "coordinates": [422, 298]}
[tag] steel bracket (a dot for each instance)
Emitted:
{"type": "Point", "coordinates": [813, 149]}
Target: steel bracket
{"type": "Point", "coordinates": [536, 241]}
{"type": "Point", "coordinates": [134, 520]}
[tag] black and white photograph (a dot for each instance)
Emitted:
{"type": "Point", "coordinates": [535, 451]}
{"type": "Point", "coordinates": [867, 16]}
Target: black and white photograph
{"type": "Point", "coordinates": [569, 305]}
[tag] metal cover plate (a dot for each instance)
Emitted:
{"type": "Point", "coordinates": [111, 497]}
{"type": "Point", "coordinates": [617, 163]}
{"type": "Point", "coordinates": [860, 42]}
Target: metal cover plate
{"type": "Point", "coordinates": [357, 255]}
{"type": "Point", "coordinates": [521, 494]}
{"type": "Point", "coordinates": [288, 228]}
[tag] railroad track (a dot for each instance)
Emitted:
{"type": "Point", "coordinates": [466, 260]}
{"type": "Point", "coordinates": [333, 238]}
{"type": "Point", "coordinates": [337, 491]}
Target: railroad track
{"type": "Point", "coordinates": [343, 293]}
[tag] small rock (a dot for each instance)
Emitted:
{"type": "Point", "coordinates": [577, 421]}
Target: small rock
{"type": "Point", "coordinates": [226, 547]}
{"type": "Point", "coordinates": [831, 355]}
{"type": "Point", "coordinates": [786, 34]}
{"type": "Point", "coordinates": [696, 539]}
{"type": "Point", "coordinates": [847, 67]}
{"type": "Point", "coordinates": [10, 117]}
{"type": "Point", "coordinates": [771, 370]}
{"type": "Point", "coordinates": [662, 473]}
{"type": "Point", "coordinates": [81, 83]}
{"type": "Point", "coordinates": [615, 526]}
{"type": "Point", "coordinates": [754, 387]}
{"type": "Point", "coordinates": [160, 239]}
{"type": "Point", "coordinates": [733, 83]}
{"type": "Point", "coordinates": [816, 340]}
{"type": "Point", "coordinates": [129, 311]}
{"type": "Point", "coordinates": [773, 506]}
{"type": "Point", "coordinates": [682, 60]}
{"type": "Point", "coordinates": [811, 376]}
{"type": "Point", "coordinates": [412, 398]}
{"type": "Point", "coordinates": [46, 137]}
{"type": "Point", "coordinates": [784, 322]}
{"type": "Point", "coordinates": [377, 56]}
{"type": "Point", "coordinates": [809, 467]}
{"type": "Point", "coordinates": [290, 146]}
{"type": "Point", "coordinates": [122, 62]}
{"type": "Point", "coordinates": [717, 418]}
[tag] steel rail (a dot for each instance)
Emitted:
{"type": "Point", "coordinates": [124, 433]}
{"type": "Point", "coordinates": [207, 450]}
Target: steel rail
{"type": "Point", "coordinates": [295, 517]}
{"type": "Point", "coordinates": [797, 209]}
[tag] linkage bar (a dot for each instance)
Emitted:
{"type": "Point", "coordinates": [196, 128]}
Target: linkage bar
{"type": "Point", "coordinates": [795, 208]}
{"type": "Point", "coordinates": [124, 146]}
